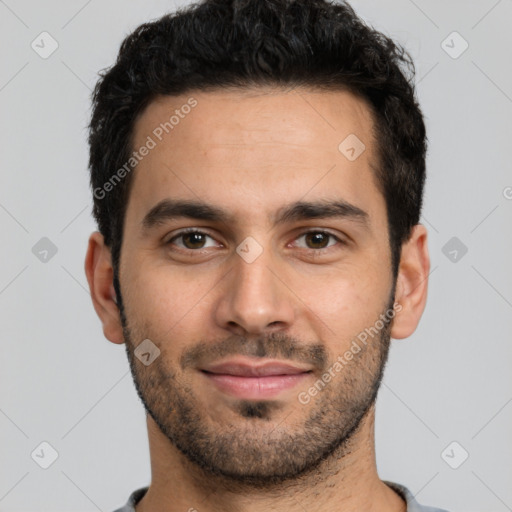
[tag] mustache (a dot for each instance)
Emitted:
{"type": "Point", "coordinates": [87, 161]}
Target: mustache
{"type": "Point", "coordinates": [274, 345]}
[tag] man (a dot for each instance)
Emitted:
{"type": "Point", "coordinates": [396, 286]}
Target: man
{"type": "Point", "coordinates": [257, 169]}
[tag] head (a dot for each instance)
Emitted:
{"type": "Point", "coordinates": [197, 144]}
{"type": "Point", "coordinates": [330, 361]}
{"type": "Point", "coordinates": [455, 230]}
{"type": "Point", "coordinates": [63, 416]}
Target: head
{"type": "Point", "coordinates": [287, 137]}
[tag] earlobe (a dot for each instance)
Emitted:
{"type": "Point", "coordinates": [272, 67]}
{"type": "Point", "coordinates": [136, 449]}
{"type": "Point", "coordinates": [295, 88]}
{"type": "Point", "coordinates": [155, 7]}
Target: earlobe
{"type": "Point", "coordinates": [412, 283]}
{"type": "Point", "coordinates": [100, 274]}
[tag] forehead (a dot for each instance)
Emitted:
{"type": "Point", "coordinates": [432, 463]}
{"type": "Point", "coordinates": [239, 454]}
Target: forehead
{"type": "Point", "coordinates": [295, 117]}
{"type": "Point", "coordinates": [255, 149]}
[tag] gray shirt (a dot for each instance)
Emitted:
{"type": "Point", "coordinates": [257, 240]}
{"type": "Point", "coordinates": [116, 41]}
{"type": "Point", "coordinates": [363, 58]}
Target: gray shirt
{"type": "Point", "coordinates": [412, 504]}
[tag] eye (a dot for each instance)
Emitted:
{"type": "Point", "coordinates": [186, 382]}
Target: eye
{"type": "Point", "coordinates": [191, 239]}
{"type": "Point", "coordinates": [318, 240]}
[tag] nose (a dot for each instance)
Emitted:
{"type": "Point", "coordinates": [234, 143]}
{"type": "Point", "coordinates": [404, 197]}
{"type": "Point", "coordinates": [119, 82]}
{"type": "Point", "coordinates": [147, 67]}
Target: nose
{"type": "Point", "coordinates": [255, 298]}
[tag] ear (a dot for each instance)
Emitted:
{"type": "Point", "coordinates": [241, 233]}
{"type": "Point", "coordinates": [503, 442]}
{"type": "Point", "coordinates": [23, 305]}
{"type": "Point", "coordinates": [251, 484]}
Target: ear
{"type": "Point", "coordinates": [100, 276]}
{"type": "Point", "coordinates": [412, 283]}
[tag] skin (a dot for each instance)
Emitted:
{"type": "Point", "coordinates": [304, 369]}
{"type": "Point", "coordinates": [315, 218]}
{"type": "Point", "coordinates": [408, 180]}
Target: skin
{"type": "Point", "coordinates": [251, 153]}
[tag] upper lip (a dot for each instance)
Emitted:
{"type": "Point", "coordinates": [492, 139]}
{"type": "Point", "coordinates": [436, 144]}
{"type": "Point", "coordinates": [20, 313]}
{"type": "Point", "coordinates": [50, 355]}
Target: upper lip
{"type": "Point", "coordinates": [260, 369]}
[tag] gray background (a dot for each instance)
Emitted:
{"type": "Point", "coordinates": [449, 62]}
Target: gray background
{"type": "Point", "coordinates": [63, 383]}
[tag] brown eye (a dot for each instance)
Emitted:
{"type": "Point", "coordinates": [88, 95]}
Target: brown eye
{"type": "Point", "coordinates": [318, 240]}
{"type": "Point", "coordinates": [191, 240]}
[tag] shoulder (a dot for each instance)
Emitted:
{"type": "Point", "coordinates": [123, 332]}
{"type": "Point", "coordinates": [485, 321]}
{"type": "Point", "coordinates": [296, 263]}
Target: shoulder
{"type": "Point", "coordinates": [134, 498]}
{"type": "Point", "coordinates": [412, 504]}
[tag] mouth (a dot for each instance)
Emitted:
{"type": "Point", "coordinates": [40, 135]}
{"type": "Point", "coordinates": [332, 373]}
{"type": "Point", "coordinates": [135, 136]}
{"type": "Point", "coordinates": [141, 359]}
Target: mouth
{"type": "Point", "coordinates": [247, 379]}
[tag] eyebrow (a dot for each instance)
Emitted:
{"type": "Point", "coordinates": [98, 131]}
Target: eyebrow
{"type": "Point", "coordinates": [170, 209]}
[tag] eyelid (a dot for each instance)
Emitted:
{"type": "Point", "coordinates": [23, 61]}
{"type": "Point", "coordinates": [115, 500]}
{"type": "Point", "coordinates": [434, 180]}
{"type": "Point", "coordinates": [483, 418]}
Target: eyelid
{"type": "Point", "coordinates": [340, 240]}
{"type": "Point", "coordinates": [184, 231]}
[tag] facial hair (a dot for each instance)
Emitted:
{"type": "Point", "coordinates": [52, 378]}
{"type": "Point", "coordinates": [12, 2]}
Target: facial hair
{"type": "Point", "coordinates": [249, 452]}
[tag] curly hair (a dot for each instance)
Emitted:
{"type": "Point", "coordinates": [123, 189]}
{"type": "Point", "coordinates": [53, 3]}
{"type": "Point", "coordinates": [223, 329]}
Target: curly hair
{"type": "Point", "coordinates": [216, 44]}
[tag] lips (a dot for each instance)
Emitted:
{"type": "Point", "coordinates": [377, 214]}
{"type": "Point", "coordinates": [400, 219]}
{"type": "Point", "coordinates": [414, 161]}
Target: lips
{"type": "Point", "coordinates": [255, 380]}
{"type": "Point", "coordinates": [253, 370]}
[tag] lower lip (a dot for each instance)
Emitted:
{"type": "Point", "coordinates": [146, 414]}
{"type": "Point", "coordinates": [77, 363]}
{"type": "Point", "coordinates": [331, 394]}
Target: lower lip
{"type": "Point", "coordinates": [255, 387]}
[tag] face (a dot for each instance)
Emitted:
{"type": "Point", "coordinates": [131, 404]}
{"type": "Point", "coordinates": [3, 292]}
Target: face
{"type": "Point", "coordinates": [255, 255]}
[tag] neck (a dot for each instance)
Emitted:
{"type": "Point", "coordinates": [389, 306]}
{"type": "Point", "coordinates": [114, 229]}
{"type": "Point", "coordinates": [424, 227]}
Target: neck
{"type": "Point", "coordinates": [347, 481]}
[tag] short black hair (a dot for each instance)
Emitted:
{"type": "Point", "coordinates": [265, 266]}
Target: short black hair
{"type": "Point", "coordinates": [214, 44]}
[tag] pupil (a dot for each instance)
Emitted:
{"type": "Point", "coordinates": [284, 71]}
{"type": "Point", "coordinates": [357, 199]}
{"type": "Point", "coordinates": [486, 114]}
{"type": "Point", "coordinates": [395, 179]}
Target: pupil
{"type": "Point", "coordinates": [195, 239]}
{"type": "Point", "coordinates": [318, 238]}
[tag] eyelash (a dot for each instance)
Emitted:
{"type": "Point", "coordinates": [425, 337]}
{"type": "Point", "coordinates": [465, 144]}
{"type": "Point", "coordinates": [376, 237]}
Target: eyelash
{"type": "Point", "coordinates": [308, 250]}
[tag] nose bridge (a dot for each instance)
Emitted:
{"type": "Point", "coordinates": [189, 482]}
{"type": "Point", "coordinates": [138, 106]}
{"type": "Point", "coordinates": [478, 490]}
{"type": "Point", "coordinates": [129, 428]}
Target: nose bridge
{"type": "Point", "coordinates": [255, 299]}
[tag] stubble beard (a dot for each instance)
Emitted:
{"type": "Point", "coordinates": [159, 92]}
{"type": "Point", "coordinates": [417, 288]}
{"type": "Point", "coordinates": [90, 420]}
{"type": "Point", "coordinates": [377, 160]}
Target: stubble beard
{"type": "Point", "coordinates": [261, 450]}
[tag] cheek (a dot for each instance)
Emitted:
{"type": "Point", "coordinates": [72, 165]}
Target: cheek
{"type": "Point", "coordinates": [345, 302]}
{"type": "Point", "coordinates": [166, 302]}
